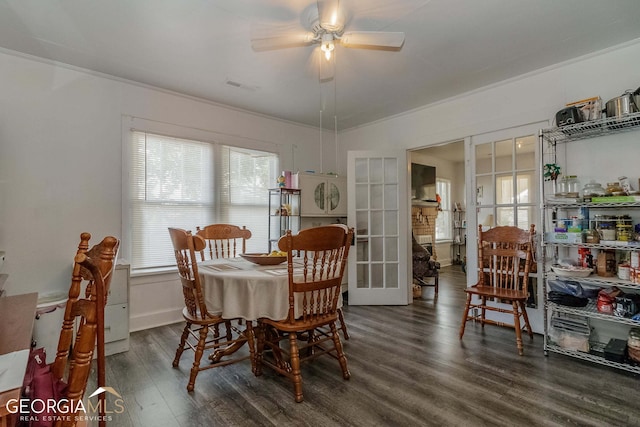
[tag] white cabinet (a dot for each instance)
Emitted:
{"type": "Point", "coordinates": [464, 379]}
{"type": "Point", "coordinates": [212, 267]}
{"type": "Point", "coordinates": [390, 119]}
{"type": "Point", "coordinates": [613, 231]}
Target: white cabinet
{"type": "Point", "coordinates": [116, 313]}
{"type": "Point", "coordinates": [323, 195]}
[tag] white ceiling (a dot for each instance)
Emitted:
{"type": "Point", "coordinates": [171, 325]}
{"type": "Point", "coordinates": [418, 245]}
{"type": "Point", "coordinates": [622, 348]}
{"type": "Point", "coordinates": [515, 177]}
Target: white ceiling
{"type": "Point", "coordinates": [195, 47]}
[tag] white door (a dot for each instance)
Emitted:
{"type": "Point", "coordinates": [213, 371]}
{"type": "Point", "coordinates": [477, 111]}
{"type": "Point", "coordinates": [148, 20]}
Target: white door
{"type": "Point", "coordinates": [378, 209]}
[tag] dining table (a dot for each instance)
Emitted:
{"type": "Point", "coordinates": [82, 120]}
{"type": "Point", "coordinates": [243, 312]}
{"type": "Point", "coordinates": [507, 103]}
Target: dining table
{"type": "Point", "coordinates": [239, 289]}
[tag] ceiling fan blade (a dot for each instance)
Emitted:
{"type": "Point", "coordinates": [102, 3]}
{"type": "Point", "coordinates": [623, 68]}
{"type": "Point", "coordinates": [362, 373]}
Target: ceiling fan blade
{"type": "Point", "coordinates": [330, 15]}
{"type": "Point", "coordinates": [282, 41]}
{"type": "Point", "coordinates": [373, 39]}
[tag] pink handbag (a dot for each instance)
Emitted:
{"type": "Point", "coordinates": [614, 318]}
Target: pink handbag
{"type": "Point", "coordinates": [39, 384]}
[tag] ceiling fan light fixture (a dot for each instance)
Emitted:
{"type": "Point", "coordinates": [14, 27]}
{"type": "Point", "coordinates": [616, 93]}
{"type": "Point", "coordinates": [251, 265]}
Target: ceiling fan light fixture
{"type": "Point", "coordinates": [327, 45]}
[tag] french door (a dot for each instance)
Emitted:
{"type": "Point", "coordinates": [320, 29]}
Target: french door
{"type": "Point", "coordinates": [378, 209]}
{"type": "Point", "coordinates": [504, 178]}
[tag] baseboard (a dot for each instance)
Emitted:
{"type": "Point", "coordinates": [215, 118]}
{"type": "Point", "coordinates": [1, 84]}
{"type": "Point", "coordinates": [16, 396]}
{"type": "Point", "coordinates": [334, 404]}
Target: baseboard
{"type": "Point", "coordinates": [155, 319]}
{"type": "Point", "coordinates": [445, 261]}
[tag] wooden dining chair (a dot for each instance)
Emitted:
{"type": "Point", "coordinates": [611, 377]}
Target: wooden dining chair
{"type": "Point", "coordinates": [201, 330]}
{"type": "Point", "coordinates": [67, 376]}
{"type": "Point", "coordinates": [315, 278]}
{"type": "Point", "coordinates": [223, 240]}
{"type": "Point", "coordinates": [505, 255]}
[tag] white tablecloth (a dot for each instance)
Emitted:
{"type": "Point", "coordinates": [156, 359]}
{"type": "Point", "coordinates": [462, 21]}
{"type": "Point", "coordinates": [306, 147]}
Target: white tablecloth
{"type": "Point", "coordinates": [240, 289]}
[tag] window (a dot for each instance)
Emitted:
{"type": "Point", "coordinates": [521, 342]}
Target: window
{"type": "Point", "coordinates": [186, 183]}
{"type": "Point", "coordinates": [505, 196]}
{"type": "Point", "coordinates": [443, 220]}
{"type": "Point", "coordinates": [244, 197]}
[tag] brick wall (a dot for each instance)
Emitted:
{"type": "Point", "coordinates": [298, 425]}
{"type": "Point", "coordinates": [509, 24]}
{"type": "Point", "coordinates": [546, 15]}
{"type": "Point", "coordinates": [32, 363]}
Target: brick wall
{"type": "Point", "coordinates": [423, 222]}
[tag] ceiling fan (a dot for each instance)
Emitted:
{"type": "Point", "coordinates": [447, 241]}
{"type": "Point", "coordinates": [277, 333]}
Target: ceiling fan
{"type": "Point", "coordinates": [326, 27]}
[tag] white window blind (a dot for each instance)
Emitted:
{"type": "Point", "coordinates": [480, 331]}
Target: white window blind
{"type": "Point", "coordinates": [174, 183]}
{"type": "Point", "coordinates": [246, 176]}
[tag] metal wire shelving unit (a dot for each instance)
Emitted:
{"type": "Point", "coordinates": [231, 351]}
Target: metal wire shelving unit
{"type": "Point", "coordinates": [550, 138]}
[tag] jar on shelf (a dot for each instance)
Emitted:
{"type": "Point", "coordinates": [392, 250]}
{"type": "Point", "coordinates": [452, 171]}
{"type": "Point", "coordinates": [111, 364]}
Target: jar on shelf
{"type": "Point", "coordinates": [593, 189]}
{"type": "Point", "coordinates": [623, 233]}
{"type": "Point", "coordinates": [624, 228]}
{"type": "Point", "coordinates": [569, 186]}
{"type": "Point", "coordinates": [591, 236]}
{"type": "Point", "coordinates": [614, 189]}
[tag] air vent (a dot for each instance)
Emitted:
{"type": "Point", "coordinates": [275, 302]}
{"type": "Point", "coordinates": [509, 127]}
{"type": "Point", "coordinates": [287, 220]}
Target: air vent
{"type": "Point", "coordinates": [239, 85]}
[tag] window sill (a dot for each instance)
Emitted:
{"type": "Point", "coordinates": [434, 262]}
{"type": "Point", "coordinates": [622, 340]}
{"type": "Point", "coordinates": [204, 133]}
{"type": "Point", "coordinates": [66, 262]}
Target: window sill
{"type": "Point", "coordinates": [153, 271]}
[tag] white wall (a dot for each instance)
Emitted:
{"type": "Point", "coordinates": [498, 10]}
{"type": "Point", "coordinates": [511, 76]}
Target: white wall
{"type": "Point", "coordinates": [60, 151]}
{"type": "Point", "coordinates": [60, 168]}
{"type": "Point", "coordinates": [529, 99]}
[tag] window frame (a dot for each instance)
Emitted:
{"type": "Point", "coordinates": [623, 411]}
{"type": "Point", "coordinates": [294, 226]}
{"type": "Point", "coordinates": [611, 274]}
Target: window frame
{"type": "Point", "coordinates": [129, 124]}
{"type": "Point", "coordinates": [445, 213]}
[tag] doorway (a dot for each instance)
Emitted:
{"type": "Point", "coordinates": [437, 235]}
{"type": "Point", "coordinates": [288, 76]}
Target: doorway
{"type": "Point", "coordinates": [496, 176]}
{"type": "Point", "coordinates": [449, 230]}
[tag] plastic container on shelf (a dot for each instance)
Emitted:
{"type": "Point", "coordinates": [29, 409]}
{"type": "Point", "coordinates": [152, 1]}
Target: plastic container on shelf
{"type": "Point", "coordinates": [570, 340]}
{"type": "Point", "coordinates": [49, 317]}
{"type": "Point", "coordinates": [605, 225]}
{"type": "Point", "coordinates": [570, 333]}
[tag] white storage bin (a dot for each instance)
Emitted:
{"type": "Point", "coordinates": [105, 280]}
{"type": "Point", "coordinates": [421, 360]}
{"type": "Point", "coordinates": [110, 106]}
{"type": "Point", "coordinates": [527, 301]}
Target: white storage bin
{"type": "Point", "coordinates": [49, 317]}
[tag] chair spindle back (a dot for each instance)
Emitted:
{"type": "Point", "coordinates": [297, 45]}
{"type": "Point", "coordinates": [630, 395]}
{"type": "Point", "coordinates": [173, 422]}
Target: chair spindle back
{"type": "Point", "coordinates": [223, 240]}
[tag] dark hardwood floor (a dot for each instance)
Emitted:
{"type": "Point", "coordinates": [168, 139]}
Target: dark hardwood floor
{"type": "Point", "coordinates": [407, 365]}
